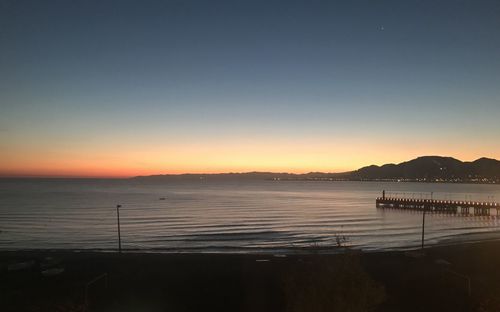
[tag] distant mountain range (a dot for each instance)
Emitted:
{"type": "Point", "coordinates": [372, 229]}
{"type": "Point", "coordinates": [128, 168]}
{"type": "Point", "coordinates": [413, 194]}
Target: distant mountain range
{"type": "Point", "coordinates": [433, 168]}
{"type": "Point", "coordinates": [422, 169]}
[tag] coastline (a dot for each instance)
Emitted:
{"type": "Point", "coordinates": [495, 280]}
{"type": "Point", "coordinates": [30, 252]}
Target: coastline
{"type": "Point", "coordinates": [320, 249]}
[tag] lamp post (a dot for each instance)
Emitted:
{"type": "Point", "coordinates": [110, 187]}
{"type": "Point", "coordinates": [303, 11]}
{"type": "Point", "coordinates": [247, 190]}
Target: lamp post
{"type": "Point", "coordinates": [423, 221]}
{"type": "Point", "coordinates": [423, 228]}
{"type": "Point", "coordinates": [119, 234]}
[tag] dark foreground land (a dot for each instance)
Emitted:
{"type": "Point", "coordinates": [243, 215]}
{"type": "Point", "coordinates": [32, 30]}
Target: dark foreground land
{"type": "Point", "coordinates": [352, 281]}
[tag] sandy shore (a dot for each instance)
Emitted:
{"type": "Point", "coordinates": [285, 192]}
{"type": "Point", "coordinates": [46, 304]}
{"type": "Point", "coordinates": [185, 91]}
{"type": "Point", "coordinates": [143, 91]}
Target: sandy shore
{"type": "Point", "coordinates": [354, 281]}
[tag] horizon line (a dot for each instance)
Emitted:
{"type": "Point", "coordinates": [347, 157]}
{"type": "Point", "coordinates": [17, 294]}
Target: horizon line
{"type": "Point", "coordinates": [123, 177]}
{"type": "Point", "coordinates": [157, 174]}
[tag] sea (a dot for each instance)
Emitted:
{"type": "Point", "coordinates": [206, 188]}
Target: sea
{"type": "Point", "coordinates": [208, 216]}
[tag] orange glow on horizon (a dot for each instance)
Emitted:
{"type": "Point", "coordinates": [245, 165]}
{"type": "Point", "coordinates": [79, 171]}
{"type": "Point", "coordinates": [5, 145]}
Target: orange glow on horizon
{"type": "Point", "coordinates": [336, 155]}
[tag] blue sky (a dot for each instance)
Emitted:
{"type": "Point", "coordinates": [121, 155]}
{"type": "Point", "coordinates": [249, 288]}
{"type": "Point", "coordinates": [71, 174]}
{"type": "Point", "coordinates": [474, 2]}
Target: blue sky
{"type": "Point", "coordinates": [88, 77]}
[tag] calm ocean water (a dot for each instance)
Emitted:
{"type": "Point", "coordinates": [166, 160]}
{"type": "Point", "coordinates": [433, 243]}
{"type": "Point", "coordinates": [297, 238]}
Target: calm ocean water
{"type": "Point", "coordinates": [209, 216]}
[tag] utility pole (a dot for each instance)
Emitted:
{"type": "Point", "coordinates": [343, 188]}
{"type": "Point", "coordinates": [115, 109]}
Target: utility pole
{"type": "Point", "coordinates": [119, 234]}
{"type": "Point", "coordinates": [423, 222]}
{"type": "Point", "coordinates": [423, 228]}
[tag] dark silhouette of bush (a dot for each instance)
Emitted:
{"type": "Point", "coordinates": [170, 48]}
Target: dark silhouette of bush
{"type": "Point", "coordinates": [336, 283]}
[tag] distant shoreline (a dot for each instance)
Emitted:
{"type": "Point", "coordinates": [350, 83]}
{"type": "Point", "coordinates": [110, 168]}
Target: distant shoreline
{"type": "Point", "coordinates": [390, 181]}
{"type": "Point", "coordinates": [175, 178]}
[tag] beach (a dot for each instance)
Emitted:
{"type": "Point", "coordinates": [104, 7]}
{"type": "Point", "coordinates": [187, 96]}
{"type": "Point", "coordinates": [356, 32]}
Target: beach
{"type": "Point", "coordinates": [349, 280]}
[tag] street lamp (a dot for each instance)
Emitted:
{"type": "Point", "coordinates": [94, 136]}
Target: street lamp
{"type": "Point", "coordinates": [423, 221]}
{"type": "Point", "coordinates": [119, 234]}
{"type": "Point", "coordinates": [423, 228]}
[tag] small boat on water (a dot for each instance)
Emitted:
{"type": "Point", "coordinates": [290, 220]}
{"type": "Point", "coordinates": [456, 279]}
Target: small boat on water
{"type": "Point", "coordinates": [162, 198]}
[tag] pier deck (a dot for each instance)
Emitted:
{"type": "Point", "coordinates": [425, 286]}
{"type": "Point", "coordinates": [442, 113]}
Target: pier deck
{"type": "Point", "coordinates": [440, 206]}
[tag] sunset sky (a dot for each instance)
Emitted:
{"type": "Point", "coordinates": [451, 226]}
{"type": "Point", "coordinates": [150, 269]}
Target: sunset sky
{"type": "Point", "coordinates": [124, 88]}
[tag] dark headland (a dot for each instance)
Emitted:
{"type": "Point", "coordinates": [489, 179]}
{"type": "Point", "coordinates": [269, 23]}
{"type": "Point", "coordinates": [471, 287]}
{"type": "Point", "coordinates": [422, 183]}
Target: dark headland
{"type": "Point", "coordinates": [421, 169]}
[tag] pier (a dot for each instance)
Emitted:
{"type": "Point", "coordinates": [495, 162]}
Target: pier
{"type": "Point", "coordinates": [474, 208]}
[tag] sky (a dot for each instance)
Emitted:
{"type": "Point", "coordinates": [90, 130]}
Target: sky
{"type": "Point", "coordinates": [124, 88]}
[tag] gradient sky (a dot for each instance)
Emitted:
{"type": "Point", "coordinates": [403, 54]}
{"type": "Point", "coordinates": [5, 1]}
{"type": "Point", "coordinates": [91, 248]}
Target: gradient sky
{"type": "Point", "coordinates": [122, 88]}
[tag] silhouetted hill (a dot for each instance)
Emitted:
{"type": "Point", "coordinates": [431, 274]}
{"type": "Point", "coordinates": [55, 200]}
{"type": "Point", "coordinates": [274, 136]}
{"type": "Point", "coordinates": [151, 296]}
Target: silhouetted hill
{"type": "Point", "coordinates": [425, 169]}
{"type": "Point", "coordinates": [429, 168]}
